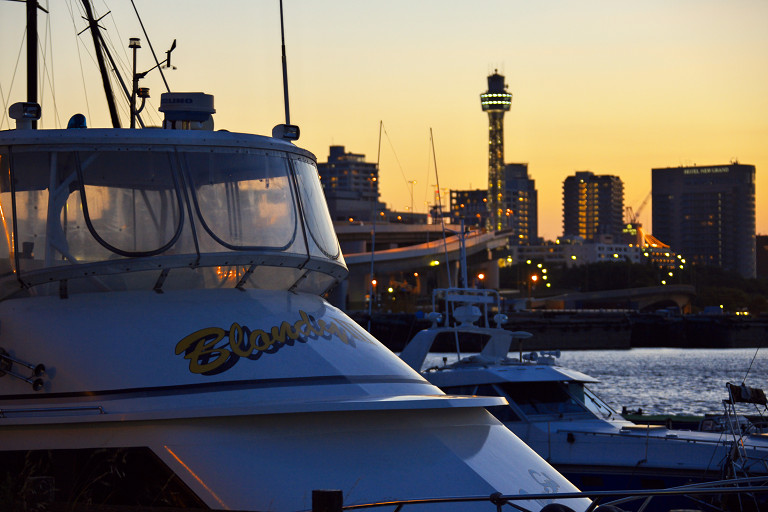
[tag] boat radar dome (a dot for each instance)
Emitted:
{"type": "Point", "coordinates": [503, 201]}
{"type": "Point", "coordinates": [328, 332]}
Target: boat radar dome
{"type": "Point", "coordinates": [187, 110]}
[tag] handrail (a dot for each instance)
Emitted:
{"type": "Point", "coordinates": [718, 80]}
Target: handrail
{"type": "Point", "coordinates": [731, 486]}
{"type": "Point", "coordinates": [44, 410]}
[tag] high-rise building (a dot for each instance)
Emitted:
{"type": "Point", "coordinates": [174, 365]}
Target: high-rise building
{"type": "Point", "coordinates": [470, 206]}
{"type": "Point", "coordinates": [593, 206]}
{"type": "Point", "coordinates": [707, 214]}
{"type": "Point", "coordinates": [761, 256]}
{"type": "Point", "coordinates": [522, 204]}
{"type": "Point", "coordinates": [496, 101]}
{"type": "Point", "coordinates": [351, 185]}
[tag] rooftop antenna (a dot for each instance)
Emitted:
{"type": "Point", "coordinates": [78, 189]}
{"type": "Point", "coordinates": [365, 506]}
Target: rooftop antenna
{"type": "Point", "coordinates": [285, 68]}
{"type": "Point", "coordinates": [287, 130]}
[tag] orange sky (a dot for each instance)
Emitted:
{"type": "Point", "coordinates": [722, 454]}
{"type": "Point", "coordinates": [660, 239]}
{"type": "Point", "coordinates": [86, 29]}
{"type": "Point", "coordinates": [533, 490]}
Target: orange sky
{"type": "Point", "coordinates": [611, 87]}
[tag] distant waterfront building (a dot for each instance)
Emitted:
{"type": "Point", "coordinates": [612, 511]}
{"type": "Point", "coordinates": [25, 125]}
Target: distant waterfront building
{"type": "Point", "coordinates": [496, 101]}
{"type": "Point", "coordinates": [761, 256]}
{"type": "Point", "coordinates": [522, 204]}
{"type": "Point", "coordinates": [574, 252]}
{"type": "Point", "coordinates": [351, 186]}
{"type": "Point", "coordinates": [593, 207]}
{"type": "Point", "coordinates": [707, 214]}
{"type": "Point", "coordinates": [471, 206]}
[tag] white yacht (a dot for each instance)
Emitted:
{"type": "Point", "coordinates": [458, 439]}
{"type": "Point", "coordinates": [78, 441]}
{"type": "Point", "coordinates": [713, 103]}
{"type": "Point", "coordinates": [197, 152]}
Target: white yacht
{"type": "Point", "coordinates": [164, 340]}
{"type": "Point", "coordinates": [552, 409]}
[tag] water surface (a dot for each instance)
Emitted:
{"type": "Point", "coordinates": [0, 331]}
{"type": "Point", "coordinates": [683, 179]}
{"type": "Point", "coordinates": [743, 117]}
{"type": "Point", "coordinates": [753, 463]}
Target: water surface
{"type": "Point", "coordinates": [665, 380]}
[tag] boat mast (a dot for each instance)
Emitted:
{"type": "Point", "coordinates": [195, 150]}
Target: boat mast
{"type": "Point", "coordinates": [94, 26]}
{"type": "Point", "coordinates": [32, 54]}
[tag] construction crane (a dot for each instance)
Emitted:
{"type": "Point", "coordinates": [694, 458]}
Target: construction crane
{"type": "Point", "coordinates": [631, 216]}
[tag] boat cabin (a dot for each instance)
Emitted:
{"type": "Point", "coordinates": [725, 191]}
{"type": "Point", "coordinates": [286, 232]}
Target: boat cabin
{"type": "Point", "coordinates": [102, 209]}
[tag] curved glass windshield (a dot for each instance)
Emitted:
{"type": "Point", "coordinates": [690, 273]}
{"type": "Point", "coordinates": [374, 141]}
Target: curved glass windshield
{"type": "Point", "coordinates": [131, 200]}
{"type": "Point", "coordinates": [244, 198]}
{"type": "Point", "coordinates": [192, 215]}
{"type": "Point", "coordinates": [80, 207]}
{"type": "Point", "coordinates": [543, 399]}
{"type": "Point", "coordinates": [316, 215]}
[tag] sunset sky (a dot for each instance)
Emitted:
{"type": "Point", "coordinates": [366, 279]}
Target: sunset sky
{"type": "Point", "coordinates": [607, 86]}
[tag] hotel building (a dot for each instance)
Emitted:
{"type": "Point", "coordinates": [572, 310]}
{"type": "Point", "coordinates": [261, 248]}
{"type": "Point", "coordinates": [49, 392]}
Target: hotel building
{"type": "Point", "coordinates": [707, 214]}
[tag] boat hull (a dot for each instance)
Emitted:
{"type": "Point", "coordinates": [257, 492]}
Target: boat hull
{"type": "Point", "coordinates": [321, 406]}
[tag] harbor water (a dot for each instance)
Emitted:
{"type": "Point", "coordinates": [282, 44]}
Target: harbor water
{"type": "Point", "coordinates": [664, 380]}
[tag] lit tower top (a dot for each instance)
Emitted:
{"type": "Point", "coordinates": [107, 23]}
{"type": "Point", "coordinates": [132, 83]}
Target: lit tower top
{"type": "Point", "coordinates": [496, 100]}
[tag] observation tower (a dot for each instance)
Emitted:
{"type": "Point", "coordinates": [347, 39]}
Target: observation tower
{"type": "Point", "coordinates": [496, 101]}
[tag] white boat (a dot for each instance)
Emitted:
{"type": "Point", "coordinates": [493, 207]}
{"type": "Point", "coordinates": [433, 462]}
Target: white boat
{"type": "Point", "coordinates": [552, 409]}
{"type": "Point", "coordinates": [164, 340]}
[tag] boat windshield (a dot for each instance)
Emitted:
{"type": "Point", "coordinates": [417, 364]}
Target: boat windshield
{"type": "Point", "coordinates": [546, 399]}
{"type": "Point", "coordinates": [597, 405]}
{"type": "Point", "coordinates": [229, 215]}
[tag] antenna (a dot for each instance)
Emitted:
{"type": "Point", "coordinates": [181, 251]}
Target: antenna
{"type": "Point", "coordinates": [287, 130]}
{"type": "Point", "coordinates": [285, 68]}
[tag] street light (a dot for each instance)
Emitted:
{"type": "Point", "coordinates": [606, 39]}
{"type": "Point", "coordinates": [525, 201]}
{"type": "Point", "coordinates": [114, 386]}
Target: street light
{"type": "Point", "coordinates": [531, 282]}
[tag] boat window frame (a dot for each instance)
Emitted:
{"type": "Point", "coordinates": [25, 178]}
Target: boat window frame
{"type": "Point", "coordinates": [302, 208]}
{"type": "Point", "coordinates": [595, 398]}
{"type": "Point", "coordinates": [563, 385]}
{"type": "Point", "coordinates": [240, 248]}
{"type": "Point", "coordinates": [173, 168]}
{"type": "Point", "coordinates": [308, 257]}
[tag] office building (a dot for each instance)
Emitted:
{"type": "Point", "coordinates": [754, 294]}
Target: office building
{"type": "Point", "coordinates": [761, 256]}
{"type": "Point", "coordinates": [471, 206]}
{"type": "Point", "coordinates": [593, 207]}
{"type": "Point", "coordinates": [707, 214]}
{"type": "Point", "coordinates": [351, 186]}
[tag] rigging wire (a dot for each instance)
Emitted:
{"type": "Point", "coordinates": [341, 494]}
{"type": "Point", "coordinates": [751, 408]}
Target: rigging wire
{"type": "Point", "coordinates": [2, 97]}
{"type": "Point", "coordinates": [396, 159]}
{"type": "Point", "coordinates": [116, 50]}
{"type": "Point", "coordinates": [126, 69]}
{"type": "Point", "coordinates": [13, 77]}
{"type": "Point", "coordinates": [89, 50]}
{"type": "Point", "coordinates": [440, 209]}
{"type": "Point", "coordinates": [47, 74]}
{"type": "Point", "coordinates": [80, 60]}
{"type": "Point", "coordinates": [152, 49]}
{"type": "Point", "coordinates": [427, 179]}
{"type": "Point", "coordinates": [750, 364]}
{"type": "Point", "coordinates": [150, 113]}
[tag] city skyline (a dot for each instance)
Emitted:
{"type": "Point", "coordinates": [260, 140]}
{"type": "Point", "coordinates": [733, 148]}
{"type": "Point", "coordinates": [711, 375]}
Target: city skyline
{"type": "Point", "coordinates": [600, 86]}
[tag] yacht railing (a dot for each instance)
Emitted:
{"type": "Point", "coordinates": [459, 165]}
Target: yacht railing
{"type": "Point", "coordinates": [741, 488]}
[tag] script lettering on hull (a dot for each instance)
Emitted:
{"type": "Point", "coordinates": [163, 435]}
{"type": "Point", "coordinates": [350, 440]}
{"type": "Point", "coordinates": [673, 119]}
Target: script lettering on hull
{"type": "Point", "coordinates": [214, 350]}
